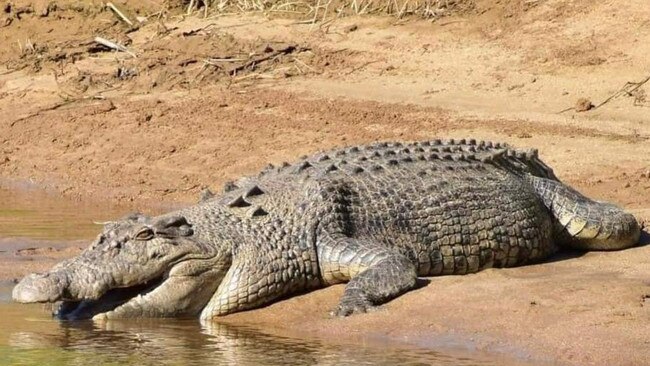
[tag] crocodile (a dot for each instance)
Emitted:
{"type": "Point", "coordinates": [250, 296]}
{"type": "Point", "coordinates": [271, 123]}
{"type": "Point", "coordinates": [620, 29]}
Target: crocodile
{"type": "Point", "coordinates": [376, 217]}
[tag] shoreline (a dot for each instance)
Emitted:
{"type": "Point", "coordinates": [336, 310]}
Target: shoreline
{"type": "Point", "coordinates": [514, 314]}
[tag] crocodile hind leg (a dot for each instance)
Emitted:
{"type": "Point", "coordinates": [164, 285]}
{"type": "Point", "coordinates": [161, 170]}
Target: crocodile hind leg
{"type": "Point", "coordinates": [375, 274]}
{"type": "Point", "coordinates": [582, 223]}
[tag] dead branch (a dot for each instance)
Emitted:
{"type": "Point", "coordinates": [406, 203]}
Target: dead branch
{"type": "Point", "coordinates": [301, 62]}
{"type": "Point", "coordinates": [362, 66]}
{"type": "Point", "coordinates": [9, 71]}
{"type": "Point", "coordinates": [256, 60]}
{"type": "Point", "coordinates": [63, 103]}
{"type": "Point", "coordinates": [119, 14]}
{"type": "Point", "coordinates": [192, 32]}
{"type": "Point", "coordinates": [625, 90]}
{"type": "Point", "coordinates": [113, 45]}
{"type": "Point", "coordinates": [40, 111]}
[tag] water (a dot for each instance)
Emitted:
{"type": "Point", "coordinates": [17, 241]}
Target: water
{"type": "Point", "coordinates": [33, 214]}
{"type": "Point", "coordinates": [29, 336]}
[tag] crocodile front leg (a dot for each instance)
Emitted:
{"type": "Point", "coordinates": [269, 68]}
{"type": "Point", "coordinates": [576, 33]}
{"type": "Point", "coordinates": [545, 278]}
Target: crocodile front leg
{"type": "Point", "coordinates": [376, 274]}
{"type": "Point", "coordinates": [260, 275]}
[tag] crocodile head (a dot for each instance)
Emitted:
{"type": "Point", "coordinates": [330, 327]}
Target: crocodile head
{"type": "Point", "coordinates": [137, 267]}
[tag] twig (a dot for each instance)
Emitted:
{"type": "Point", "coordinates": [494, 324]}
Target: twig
{"type": "Point", "coordinates": [119, 14]}
{"type": "Point", "coordinates": [212, 61]}
{"type": "Point", "coordinates": [442, 24]}
{"type": "Point", "coordinates": [9, 71]}
{"type": "Point", "coordinates": [361, 67]}
{"type": "Point", "coordinates": [327, 6]}
{"type": "Point", "coordinates": [62, 104]}
{"type": "Point", "coordinates": [50, 108]}
{"type": "Point", "coordinates": [192, 32]}
{"type": "Point", "coordinates": [256, 60]}
{"type": "Point", "coordinates": [400, 14]}
{"type": "Point", "coordinates": [624, 90]}
{"type": "Point", "coordinates": [621, 91]}
{"type": "Point", "coordinates": [308, 21]}
{"type": "Point", "coordinates": [285, 5]}
{"type": "Point", "coordinates": [313, 21]}
{"type": "Point", "coordinates": [255, 75]}
{"type": "Point", "coordinates": [297, 60]}
{"type": "Point", "coordinates": [113, 45]}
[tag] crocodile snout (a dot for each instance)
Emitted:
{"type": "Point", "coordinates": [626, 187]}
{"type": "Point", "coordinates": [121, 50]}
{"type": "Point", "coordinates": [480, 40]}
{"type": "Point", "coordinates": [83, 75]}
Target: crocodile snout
{"type": "Point", "coordinates": [39, 288]}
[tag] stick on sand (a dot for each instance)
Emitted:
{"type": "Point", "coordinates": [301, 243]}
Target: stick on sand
{"type": "Point", "coordinates": [119, 14]}
{"type": "Point", "coordinates": [113, 45]}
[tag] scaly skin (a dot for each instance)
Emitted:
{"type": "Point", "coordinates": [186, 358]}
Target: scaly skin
{"type": "Point", "coordinates": [374, 216]}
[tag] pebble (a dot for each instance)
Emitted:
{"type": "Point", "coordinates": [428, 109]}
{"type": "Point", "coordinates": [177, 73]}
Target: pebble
{"type": "Point", "coordinates": [583, 105]}
{"type": "Point", "coordinates": [350, 28]}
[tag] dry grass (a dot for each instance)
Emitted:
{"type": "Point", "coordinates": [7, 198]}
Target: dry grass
{"type": "Point", "coordinates": [312, 11]}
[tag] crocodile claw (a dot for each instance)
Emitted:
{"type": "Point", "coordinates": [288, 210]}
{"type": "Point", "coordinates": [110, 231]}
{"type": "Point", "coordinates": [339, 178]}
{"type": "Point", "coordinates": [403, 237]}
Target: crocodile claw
{"type": "Point", "coordinates": [352, 305]}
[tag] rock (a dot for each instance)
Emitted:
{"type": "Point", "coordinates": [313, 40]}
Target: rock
{"type": "Point", "coordinates": [350, 28]}
{"type": "Point", "coordinates": [583, 105]}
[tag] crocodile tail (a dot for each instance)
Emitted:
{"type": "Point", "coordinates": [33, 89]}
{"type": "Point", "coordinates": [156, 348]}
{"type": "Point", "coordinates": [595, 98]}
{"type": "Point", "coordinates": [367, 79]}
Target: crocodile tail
{"type": "Point", "coordinates": [582, 223]}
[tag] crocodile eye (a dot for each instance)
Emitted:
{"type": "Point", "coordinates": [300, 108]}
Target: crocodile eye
{"type": "Point", "coordinates": [144, 234]}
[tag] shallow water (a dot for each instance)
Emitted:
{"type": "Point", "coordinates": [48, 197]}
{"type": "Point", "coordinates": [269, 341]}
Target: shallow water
{"type": "Point", "coordinates": [29, 336]}
{"type": "Point", "coordinates": [33, 214]}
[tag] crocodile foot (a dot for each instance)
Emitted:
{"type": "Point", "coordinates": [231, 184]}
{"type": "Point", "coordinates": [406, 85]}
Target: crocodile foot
{"type": "Point", "coordinates": [352, 303]}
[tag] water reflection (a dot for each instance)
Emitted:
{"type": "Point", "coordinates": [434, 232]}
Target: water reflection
{"type": "Point", "coordinates": [32, 338]}
{"type": "Point", "coordinates": [31, 213]}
